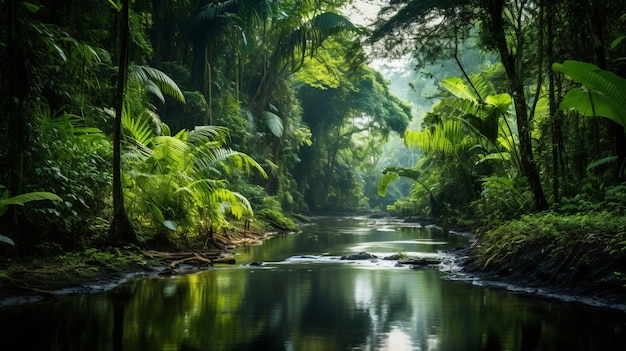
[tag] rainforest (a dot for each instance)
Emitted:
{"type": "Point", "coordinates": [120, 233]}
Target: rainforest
{"type": "Point", "coordinates": [138, 133]}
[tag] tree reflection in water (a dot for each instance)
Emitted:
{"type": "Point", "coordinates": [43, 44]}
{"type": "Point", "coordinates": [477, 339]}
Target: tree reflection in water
{"type": "Point", "coordinates": [318, 303]}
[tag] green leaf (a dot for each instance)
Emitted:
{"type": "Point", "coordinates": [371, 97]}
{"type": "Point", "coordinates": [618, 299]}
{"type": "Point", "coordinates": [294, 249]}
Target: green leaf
{"type": "Point", "coordinates": [140, 127]}
{"type": "Point", "coordinates": [32, 8]}
{"type": "Point", "coordinates": [590, 105]}
{"type": "Point", "coordinates": [383, 183]}
{"type": "Point", "coordinates": [273, 123]}
{"type": "Point", "coordinates": [597, 163]}
{"type": "Point", "coordinates": [617, 41]}
{"type": "Point", "coordinates": [157, 82]}
{"type": "Point", "coordinates": [497, 156]}
{"type": "Point", "coordinates": [607, 91]}
{"type": "Point", "coordinates": [117, 4]}
{"type": "Point", "coordinates": [6, 240]}
{"type": "Point", "coordinates": [501, 101]}
{"type": "Point", "coordinates": [28, 197]}
{"type": "Point", "coordinates": [170, 225]}
{"type": "Point", "coordinates": [456, 86]}
{"type": "Point", "coordinates": [156, 212]}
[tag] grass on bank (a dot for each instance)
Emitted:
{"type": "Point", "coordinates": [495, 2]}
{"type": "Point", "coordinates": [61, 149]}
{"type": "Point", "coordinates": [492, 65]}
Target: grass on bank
{"type": "Point", "coordinates": [550, 248]}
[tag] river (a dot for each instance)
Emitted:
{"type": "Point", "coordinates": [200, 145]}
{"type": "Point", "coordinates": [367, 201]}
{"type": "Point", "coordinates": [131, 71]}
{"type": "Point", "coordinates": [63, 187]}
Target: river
{"type": "Point", "coordinates": [299, 295]}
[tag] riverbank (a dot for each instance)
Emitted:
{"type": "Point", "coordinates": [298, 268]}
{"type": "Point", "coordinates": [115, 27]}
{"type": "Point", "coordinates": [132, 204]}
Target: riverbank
{"type": "Point", "coordinates": [578, 257]}
{"type": "Point", "coordinates": [34, 278]}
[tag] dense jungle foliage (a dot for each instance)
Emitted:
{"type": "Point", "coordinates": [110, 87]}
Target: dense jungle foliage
{"type": "Point", "coordinates": [168, 121]}
{"type": "Point", "coordinates": [508, 136]}
{"type": "Point", "coordinates": [529, 143]}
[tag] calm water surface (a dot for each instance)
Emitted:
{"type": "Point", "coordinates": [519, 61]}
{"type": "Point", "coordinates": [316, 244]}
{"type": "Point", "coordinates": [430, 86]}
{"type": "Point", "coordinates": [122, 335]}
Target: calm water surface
{"type": "Point", "coordinates": [304, 298]}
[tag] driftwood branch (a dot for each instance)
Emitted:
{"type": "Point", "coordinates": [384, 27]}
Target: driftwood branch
{"type": "Point", "coordinates": [174, 258]}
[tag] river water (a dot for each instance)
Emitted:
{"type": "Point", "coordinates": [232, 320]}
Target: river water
{"type": "Point", "coordinates": [304, 297]}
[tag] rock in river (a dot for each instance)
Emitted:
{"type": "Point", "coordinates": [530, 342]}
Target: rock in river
{"type": "Point", "coordinates": [360, 256]}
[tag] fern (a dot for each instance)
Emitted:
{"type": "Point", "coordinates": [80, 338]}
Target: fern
{"type": "Point", "coordinates": [139, 128]}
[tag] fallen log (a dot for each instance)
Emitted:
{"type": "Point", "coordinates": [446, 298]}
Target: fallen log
{"type": "Point", "coordinates": [174, 258]}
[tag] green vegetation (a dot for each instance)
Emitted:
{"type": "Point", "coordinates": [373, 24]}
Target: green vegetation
{"type": "Point", "coordinates": [503, 139]}
{"type": "Point", "coordinates": [514, 147]}
{"type": "Point", "coordinates": [185, 121]}
{"type": "Point", "coordinates": [191, 118]}
{"type": "Point", "coordinates": [585, 252]}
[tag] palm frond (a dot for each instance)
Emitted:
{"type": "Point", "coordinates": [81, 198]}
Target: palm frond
{"type": "Point", "coordinates": [446, 138]}
{"type": "Point", "coordinates": [236, 204]}
{"type": "Point", "coordinates": [202, 134]}
{"type": "Point", "coordinates": [139, 128]}
{"type": "Point", "coordinates": [22, 199]}
{"type": "Point", "coordinates": [155, 80]}
{"type": "Point", "coordinates": [412, 12]}
{"type": "Point", "coordinates": [227, 160]}
{"type": "Point", "coordinates": [171, 154]}
{"type": "Point", "coordinates": [483, 86]}
{"type": "Point", "coordinates": [597, 163]}
{"type": "Point", "coordinates": [211, 11]}
{"type": "Point", "coordinates": [305, 39]}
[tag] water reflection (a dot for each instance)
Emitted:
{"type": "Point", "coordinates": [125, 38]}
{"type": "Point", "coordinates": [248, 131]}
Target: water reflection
{"type": "Point", "coordinates": [311, 305]}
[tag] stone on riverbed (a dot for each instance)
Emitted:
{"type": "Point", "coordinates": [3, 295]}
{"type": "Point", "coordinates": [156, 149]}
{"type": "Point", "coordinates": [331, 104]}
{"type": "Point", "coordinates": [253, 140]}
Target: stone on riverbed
{"type": "Point", "coordinates": [360, 256]}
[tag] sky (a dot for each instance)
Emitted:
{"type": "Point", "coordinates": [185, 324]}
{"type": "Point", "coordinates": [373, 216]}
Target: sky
{"type": "Point", "coordinates": [363, 12]}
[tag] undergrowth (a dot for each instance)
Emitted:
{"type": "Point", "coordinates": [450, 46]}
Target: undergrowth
{"type": "Point", "coordinates": [551, 246]}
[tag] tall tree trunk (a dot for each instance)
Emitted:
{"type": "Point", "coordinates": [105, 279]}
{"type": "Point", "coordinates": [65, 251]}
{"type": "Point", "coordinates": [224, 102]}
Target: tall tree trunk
{"type": "Point", "coordinates": [198, 66]}
{"type": "Point", "coordinates": [121, 230]}
{"type": "Point", "coordinates": [162, 30]}
{"type": "Point", "coordinates": [17, 79]}
{"type": "Point", "coordinates": [14, 122]}
{"type": "Point", "coordinates": [512, 62]}
{"type": "Point", "coordinates": [553, 105]}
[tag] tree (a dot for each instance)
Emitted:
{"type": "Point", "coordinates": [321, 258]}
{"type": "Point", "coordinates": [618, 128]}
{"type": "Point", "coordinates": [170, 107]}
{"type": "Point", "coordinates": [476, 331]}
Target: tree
{"type": "Point", "coordinates": [456, 21]}
{"type": "Point", "coordinates": [120, 230]}
{"type": "Point", "coordinates": [511, 56]}
{"type": "Point", "coordinates": [347, 117]}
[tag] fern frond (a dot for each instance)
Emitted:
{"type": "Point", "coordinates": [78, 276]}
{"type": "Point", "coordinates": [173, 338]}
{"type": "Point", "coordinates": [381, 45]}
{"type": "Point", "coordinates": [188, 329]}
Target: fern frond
{"type": "Point", "coordinates": [203, 134]}
{"type": "Point", "coordinates": [139, 128]}
{"type": "Point", "coordinates": [171, 154]}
